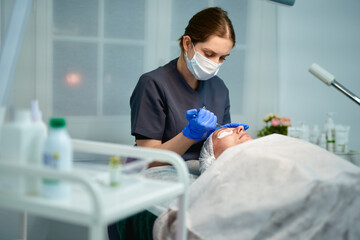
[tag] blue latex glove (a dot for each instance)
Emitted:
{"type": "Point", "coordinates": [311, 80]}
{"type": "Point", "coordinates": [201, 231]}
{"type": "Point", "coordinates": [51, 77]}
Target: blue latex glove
{"type": "Point", "coordinates": [229, 125]}
{"type": "Point", "coordinates": [200, 122]}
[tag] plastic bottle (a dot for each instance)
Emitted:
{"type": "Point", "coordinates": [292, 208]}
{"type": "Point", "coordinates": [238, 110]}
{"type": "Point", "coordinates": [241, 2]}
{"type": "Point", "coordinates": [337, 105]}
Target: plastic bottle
{"type": "Point", "coordinates": [15, 147]}
{"type": "Point", "coordinates": [57, 155]}
{"type": "Point", "coordinates": [342, 138]}
{"type": "Point", "coordinates": [322, 140]}
{"type": "Point", "coordinates": [330, 133]}
{"type": "Point", "coordinates": [315, 134]}
{"type": "Point", "coordinates": [305, 132]}
{"type": "Point", "coordinates": [35, 156]}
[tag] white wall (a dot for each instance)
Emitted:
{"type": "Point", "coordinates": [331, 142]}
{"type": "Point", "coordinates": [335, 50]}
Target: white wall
{"type": "Point", "coordinates": [326, 32]}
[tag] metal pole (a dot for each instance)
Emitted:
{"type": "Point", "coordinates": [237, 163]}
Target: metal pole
{"type": "Point", "coordinates": [347, 92]}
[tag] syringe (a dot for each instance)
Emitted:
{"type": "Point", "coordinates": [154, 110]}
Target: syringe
{"type": "Point", "coordinates": [217, 125]}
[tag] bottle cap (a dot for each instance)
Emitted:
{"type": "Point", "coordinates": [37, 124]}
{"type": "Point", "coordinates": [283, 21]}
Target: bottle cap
{"type": "Point", "coordinates": [57, 123]}
{"type": "Point", "coordinates": [115, 161]}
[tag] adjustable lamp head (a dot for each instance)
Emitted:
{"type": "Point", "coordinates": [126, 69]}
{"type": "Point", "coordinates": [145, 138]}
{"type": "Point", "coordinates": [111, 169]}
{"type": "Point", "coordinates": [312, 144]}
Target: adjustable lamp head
{"type": "Point", "coordinates": [321, 74]}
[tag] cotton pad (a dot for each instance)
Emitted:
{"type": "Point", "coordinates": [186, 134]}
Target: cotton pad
{"type": "Point", "coordinates": [224, 134]}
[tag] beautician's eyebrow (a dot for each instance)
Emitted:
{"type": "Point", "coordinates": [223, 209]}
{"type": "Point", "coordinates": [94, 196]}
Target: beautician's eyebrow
{"type": "Point", "coordinates": [213, 52]}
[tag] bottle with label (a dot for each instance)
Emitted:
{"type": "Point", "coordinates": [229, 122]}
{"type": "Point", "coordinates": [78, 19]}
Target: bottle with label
{"type": "Point", "coordinates": [330, 133]}
{"type": "Point", "coordinates": [58, 155]}
{"type": "Point", "coordinates": [322, 140]}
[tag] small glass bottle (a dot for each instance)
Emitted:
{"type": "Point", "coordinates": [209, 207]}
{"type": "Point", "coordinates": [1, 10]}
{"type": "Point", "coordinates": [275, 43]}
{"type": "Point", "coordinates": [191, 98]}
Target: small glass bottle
{"type": "Point", "coordinates": [114, 168]}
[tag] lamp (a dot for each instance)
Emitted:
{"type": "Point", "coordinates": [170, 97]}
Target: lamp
{"type": "Point", "coordinates": [329, 79]}
{"type": "Point", "coordinates": [284, 2]}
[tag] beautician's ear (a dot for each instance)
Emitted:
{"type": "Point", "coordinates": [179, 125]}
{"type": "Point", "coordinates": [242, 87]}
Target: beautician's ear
{"type": "Point", "coordinates": [186, 42]}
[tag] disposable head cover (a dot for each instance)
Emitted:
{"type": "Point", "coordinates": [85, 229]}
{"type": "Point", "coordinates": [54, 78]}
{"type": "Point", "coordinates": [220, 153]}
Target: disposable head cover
{"type": "Point", "coordinates": [207, 156]}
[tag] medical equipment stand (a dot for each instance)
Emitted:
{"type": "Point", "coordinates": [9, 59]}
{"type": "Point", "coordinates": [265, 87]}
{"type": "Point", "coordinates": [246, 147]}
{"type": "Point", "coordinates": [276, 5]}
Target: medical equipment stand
{"type": "Point", "coordinates": [95, 206]}
{"type": "Point", "coordinates": [329, 79]}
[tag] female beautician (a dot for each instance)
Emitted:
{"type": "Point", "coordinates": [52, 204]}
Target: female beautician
{"type": "Point", "coordinates": [162, 98]}
{"type": "Point", "coordinates": [160, 103]}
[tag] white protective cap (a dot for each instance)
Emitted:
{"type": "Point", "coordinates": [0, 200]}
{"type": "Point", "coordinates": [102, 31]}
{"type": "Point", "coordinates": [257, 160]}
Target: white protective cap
{"type": "Point", "coordinates": [207, 156]}
{"type": "Point", "coordinates": [321, 74]}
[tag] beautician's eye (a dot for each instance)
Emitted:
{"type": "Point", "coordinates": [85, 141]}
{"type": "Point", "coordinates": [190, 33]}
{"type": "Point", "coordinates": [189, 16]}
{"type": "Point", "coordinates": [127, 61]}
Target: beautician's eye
{"type": "Point", "coordinates": [208, 55]}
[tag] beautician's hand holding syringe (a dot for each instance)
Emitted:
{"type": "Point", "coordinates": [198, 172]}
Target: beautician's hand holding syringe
{"type": "Point", "coordinates": [200, 121]}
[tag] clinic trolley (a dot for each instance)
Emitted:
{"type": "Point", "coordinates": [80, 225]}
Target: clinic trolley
{"type": "Point", "coordinates": [96, 206]}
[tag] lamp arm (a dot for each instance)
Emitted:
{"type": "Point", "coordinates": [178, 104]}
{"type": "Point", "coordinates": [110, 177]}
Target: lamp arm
{"type": "Point", "coordinates": [347, 92]}
{"type": "Point", "coordinates": [329, 80]}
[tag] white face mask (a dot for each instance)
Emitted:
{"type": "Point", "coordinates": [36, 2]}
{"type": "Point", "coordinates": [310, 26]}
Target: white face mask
{"type": "Point", "coordinates": [201, 67]}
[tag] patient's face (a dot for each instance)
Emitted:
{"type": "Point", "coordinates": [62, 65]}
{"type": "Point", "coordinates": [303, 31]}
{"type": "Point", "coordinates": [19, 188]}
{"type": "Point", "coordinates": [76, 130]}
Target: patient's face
{"type": "Point", "coordinates": [224, 138]}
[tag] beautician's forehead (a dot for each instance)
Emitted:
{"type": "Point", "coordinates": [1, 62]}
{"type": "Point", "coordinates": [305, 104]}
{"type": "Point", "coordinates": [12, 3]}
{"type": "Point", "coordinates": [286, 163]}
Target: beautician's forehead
{"type": "Point", "coordinates": [217, 44]}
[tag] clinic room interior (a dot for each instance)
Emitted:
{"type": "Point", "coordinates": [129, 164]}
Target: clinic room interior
{"type": "Point", "coordinates": [292, 75]}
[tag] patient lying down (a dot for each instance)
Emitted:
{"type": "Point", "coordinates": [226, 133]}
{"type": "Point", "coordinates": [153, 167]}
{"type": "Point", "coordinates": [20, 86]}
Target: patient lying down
{"type": "Point", "coordinates": [274, 187]}
{"type": "Point", "coordinates": [218, 142]}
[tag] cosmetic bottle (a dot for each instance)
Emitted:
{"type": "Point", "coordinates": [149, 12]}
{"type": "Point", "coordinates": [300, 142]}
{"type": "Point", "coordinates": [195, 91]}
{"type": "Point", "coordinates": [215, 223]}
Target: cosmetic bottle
{"type": "Point", "coordinates": [57, 155]}
{"type": "Point", "coordinates": [322, 140]}
{"type": "Point", "coordinates": [330, 133]}
{"type": "Point", "coordinates": [315, 134]}
{"type": "Point", "coordinates": [15, 147]}
{"type": "Point", "coordinates": [38, 140]}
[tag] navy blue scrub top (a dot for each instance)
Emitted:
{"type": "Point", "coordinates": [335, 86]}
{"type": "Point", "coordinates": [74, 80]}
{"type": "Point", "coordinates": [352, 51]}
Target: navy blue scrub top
{"type": "Point", "coordinates": [161, 98]}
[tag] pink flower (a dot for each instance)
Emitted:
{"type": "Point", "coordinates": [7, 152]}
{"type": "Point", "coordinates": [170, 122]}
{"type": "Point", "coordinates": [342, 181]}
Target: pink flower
{"type": "Point", "coordinates": [285, 121]}
{"type": "Point", "coordinates": [267, 117]}
{"type": "Point", "coordinates": [275, 122]}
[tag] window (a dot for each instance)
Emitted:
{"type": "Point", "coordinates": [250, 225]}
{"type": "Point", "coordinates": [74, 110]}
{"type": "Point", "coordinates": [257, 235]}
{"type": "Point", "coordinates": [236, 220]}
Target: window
{"type": "Point", "coordinates": [98, 52]}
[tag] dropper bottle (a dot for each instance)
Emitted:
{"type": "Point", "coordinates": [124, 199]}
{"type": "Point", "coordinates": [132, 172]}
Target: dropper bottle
{"type": "Point", "coordinates": [38, 140]}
